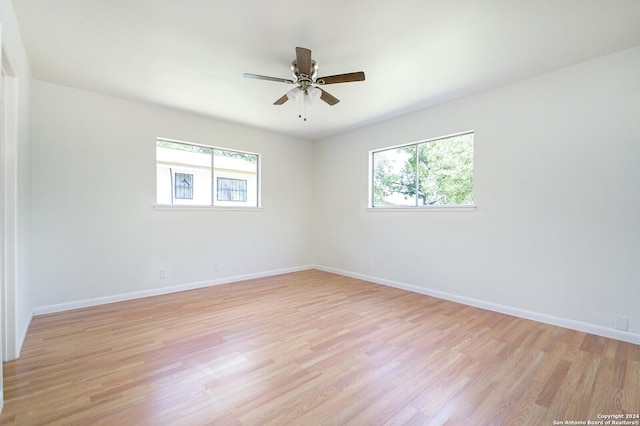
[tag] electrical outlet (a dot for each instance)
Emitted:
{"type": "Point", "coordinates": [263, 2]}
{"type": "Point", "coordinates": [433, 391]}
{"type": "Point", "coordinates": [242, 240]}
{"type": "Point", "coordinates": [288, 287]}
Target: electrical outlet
{"type": "Point", "coordinates": [621, 323]}
{"type": "Point", "coordinates": [371, 265]}
{"type": "Point", "coordinates": [163, 274]}
{"type": "Point", "coordinates": [218, 266]}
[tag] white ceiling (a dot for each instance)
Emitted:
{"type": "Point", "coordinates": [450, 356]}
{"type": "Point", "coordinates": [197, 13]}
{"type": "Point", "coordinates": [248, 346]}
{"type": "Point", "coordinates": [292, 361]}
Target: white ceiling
{"type": "Point", "coordinates": [190, 54]}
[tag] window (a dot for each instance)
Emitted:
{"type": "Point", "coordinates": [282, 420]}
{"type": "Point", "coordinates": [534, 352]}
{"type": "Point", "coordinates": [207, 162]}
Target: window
{"type": "Point", "coordinates": [190, 174]}
{"type": "Point", "coordinates": [184, 186]}
{"type": "Point", "coordinates": [437, 172]}
{"type": "Point", "coordinates": [232, 189]}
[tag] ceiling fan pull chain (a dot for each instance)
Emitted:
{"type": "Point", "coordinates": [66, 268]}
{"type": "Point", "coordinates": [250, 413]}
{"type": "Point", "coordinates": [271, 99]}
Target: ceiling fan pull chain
{"type": "Point", "coordinates": [304, 106]}
{"type": "Point", "coordinates": [300, 105]}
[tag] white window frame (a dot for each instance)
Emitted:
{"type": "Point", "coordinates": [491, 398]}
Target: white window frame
{"type": "Point", "coordinates": [444, 208]}
{"type": "Point", "coordinates": [213, 206]}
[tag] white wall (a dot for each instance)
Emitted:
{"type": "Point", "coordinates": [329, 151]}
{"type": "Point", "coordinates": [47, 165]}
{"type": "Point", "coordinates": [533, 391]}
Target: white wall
{"type": "Point", "coordinates": [18, 307]}
{"type": "Point", "coordinates": [95, 231]}
{"type": "Point", "coordinates": [556, 232]}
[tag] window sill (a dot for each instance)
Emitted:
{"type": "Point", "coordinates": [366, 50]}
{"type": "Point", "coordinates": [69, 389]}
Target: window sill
{"type": "Point", "coordinates": [423, 209]}
{"type": "Point", "coordinates": [166, 207]}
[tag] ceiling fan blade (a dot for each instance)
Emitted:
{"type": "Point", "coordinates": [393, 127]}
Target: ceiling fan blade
{"type": "Point", "coordinates": [330, 99]}
{"type": "Point", "coordinates": [264, 77]}
{"type": "Point", "coordinates": [303, 57]}
{"type": "Point", "coordinates": [341, 78]}
{"type": "Point", "coordinates": [282, 100]}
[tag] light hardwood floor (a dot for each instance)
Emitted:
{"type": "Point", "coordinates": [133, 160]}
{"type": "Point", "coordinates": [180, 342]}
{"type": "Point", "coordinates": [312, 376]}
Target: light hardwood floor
{"type": "Point", "coordinates": [311, 348]}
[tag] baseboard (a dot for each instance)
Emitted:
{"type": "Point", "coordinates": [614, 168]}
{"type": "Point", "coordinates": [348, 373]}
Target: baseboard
{"type": "Point", "coordinates": [504, 309]}
{"type": "Point", "coordinates": [60, 307]}
{"type": "Point", "coordinates": [23, 335]}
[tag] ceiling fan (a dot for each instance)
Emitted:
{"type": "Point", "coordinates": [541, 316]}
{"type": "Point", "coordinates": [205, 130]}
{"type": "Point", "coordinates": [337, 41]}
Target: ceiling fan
{"type": "Point", "coordinates": [305, 71]}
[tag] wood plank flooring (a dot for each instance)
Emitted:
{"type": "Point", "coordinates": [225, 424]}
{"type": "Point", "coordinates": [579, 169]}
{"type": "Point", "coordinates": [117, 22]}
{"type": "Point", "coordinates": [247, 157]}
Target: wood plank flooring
{"type": "Point", "coordinates": [311, 348]}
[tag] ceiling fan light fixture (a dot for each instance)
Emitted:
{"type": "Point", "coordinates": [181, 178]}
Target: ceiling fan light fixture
{"type": "Point", "coordinates": [294, 94]}
{"type": "Point", "coordinates": [314, 93]}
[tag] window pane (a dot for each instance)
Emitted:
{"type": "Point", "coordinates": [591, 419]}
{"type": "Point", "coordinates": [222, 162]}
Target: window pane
{"type": "Point", "coordinates": [434, 173]}
{"type": "Point", "coordinates": [394, 179]}
{"type": "Point", "coordinates": [446, 171]}
{"type": "Point", "coordinates": [236, 178]}
{"type": "Point", "coordinates": [183, 174]}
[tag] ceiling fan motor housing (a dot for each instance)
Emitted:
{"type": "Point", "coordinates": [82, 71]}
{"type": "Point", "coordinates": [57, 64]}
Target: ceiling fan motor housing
{"type": "Point", "coordinates": [296, 72]}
